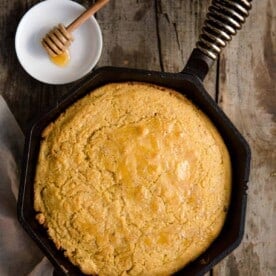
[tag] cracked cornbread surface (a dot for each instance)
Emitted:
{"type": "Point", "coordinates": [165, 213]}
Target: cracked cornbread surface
{"type": "Point", "coordinates": [132, 179]}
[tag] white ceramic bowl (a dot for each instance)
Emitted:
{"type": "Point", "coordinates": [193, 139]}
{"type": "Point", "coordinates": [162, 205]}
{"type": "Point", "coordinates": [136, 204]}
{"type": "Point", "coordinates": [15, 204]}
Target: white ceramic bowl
{"type": "Point", "coordinates": [85, 51]}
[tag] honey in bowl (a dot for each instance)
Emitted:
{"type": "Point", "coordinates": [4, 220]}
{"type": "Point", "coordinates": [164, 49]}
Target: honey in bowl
{"type": "Point", "coordinates": [61, 60]}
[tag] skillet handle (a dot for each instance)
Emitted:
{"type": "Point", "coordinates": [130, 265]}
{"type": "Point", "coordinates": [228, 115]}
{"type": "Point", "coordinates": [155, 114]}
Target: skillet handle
{"type": "Point", "coordinates": [223, 20]}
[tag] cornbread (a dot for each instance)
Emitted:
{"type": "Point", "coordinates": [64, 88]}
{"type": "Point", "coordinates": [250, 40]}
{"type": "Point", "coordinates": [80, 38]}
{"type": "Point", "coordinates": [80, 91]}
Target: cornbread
{"type": "Point", "coordinates": [132, 179]}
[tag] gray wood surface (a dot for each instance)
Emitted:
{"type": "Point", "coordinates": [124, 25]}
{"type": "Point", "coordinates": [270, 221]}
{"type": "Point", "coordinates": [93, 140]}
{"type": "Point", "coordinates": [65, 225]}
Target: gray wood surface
{"type": "Point", "coordinates": [160, 35]}
{"type": "Point", "coordinates": [247, 81]}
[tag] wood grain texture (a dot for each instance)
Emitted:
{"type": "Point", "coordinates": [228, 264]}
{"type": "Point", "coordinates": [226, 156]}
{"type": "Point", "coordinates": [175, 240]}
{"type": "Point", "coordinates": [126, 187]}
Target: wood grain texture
{"type": "Point", "coordinates": [248, 96]}
{"type": "Point", "coordinates": [179, 26]}
{"type": "Point", "coordinates": [129, 34]}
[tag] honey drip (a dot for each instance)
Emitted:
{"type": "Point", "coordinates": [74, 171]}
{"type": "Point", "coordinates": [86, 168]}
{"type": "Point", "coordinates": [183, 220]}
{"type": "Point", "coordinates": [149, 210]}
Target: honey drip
{"type": "Point", "coordinates": [61, 60]}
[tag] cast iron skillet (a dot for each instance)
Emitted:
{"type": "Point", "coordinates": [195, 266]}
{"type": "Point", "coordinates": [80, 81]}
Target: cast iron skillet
{"type": "Point", "coordinates": [223, 19]}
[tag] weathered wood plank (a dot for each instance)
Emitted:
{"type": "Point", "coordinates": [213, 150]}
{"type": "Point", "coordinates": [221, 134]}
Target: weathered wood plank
{"type": "Point", "coordinates": [129, 34]}
{"type": "Point", "coordinates": [179, 25]}
{"type": "Point", "coordinates": [248, 96]}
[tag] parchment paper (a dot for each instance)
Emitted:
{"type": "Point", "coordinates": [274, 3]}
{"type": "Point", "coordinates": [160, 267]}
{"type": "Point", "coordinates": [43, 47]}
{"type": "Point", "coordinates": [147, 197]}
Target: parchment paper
{"type": "Point", "coordinates": [18, 253]}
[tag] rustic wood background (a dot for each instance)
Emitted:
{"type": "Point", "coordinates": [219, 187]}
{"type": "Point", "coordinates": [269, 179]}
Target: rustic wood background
{"type": "Point", "coordinates": [160, 35]}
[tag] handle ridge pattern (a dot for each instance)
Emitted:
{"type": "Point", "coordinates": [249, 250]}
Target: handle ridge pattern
{"type": "Point", "coordinates": [223, 20]}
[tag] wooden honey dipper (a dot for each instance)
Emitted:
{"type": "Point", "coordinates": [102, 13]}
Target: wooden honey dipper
{"type": "Point", "coordinates": [60, 37]}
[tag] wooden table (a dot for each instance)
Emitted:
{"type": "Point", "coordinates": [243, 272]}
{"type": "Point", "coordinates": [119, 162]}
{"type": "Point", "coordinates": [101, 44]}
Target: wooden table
{"type": "Point", "coordinates": [160, 35]}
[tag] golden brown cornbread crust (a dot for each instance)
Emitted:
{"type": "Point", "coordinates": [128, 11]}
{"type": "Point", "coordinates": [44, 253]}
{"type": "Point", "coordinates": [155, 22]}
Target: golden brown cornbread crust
{"type": "Point", "coordinates": [132, 179]}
